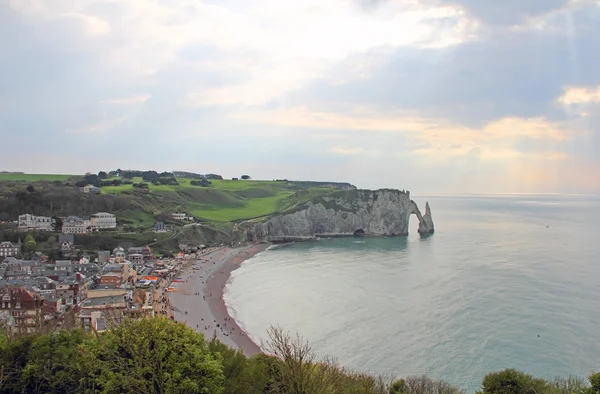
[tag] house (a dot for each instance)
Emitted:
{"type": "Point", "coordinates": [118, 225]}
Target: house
{"type": "Point", "coordinates": [72, 290]}
{"type": "Point", "coordinates": [88, 269]}
{"type": "Point", "coordinates": [107, 302]}
{"type": "Point", "coordinates": [103, 257]}
{"type": "Point", "coordinates": [119, 254]}
{"type": "Point", "coordinates": [16, 275]}
{"type": "Point", "coordinates": [67, 249]}
{"type": "Point", "coordinates": [159, 227]}
{"type": "Point", "coordinates": [62, 265]}
{"type": "Point", "coordinates": [103, 220]}
{"type": "Point", "coordinates": [179, 216]}
{"type": "Point", "coordinates": [93, 320]}
{"type": "Point", "coordinates": [75, 225]}
{"type": "Point", "coordinates": [112, 278]}
{"type": "Point", "coordinates": [13, 264]}
{"type": "Point", "coordinates": [90, 189]}
{"type": "Point", "coordinates": [66, 238]}
{"type": "Point", "coordinates": [31, 222]}
{"type": "Point", "coordinates": [24, 306]}
{"type": "Point", "coordinates": [113, 268]}
{"type": "Point", "coordinates": [45, 287]}
{"type": "Point", "coordinates": [8, 249]}
{"type": "Point", "coordinates": [146, 251]}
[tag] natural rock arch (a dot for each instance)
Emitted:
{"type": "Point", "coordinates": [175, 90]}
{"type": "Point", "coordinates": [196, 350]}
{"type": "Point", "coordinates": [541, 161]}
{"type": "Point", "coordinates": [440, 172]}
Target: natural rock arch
{"type": "Point", "coordinates": [425, 221]}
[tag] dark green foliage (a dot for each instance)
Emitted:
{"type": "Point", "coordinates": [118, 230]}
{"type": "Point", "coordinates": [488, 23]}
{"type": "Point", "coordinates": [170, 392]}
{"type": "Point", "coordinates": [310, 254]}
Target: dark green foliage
{"type": "Point", "coordinates": [422, 385]}
{"type": "Point", "coordinates": [54, 363]}
{"type": "Point", "coordinates": [511, 381]}
{"type": "Point", "coordinates": [29, 244]}
{"type": "Point", "coordinates": [595, 382]}
{"type": "Point", "coordinates": [204, 183]}
{"type": "Point", "coordinates": [151, 356]}
{"type": "Point", "coordinates": [157, 355]}
{"type": "Point", "coordinates": [244, 375]}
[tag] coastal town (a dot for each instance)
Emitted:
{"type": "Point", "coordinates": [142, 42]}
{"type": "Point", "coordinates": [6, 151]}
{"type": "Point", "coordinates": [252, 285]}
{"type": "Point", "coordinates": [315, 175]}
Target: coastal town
{"type": "Point", "coordinates": [98, 290]}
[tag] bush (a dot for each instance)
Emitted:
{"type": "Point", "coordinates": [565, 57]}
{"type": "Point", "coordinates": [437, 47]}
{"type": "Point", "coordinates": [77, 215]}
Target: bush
{"type": "Point", "coordinates": [511, 381]}
{"type": "Point", "coordinates": [595, 382]}
{"type": "Point", "coordinates": [204, 183]}
{"type": "Point", "coordinates": [423, 385]}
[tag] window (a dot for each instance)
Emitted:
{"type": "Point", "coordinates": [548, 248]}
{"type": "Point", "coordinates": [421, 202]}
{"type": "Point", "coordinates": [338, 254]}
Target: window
{"type": "Point", "coordinates": [18, 305]}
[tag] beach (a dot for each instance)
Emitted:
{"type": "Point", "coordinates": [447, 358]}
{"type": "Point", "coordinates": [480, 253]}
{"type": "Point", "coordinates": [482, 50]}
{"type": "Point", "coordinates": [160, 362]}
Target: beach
{"type": "Point", "coordinates": [198, 301]}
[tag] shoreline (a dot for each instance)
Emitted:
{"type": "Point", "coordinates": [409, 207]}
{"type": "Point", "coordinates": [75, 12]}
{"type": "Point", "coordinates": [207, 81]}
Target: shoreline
{"type": "Point", "coordinates": [198, 301]}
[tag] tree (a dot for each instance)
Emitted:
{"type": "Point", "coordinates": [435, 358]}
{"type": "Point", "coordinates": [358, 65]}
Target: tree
{"type": "Point", "coordinates": [246, 177]}
{"type": "Point", "coordinates": [30, 245]}
{"type": "Point", "coordinates": [152, 355]}
{"type": "Point", "coordinates": [58, 223]}
{"type": "Point", "coordinates": [53, 363]}
{"type": "Point", "coordinates": [102, 175]}
{"type": "Point", "coordinates": [30, 189]}
{"type": "Point", "coordinates": [511, 381]}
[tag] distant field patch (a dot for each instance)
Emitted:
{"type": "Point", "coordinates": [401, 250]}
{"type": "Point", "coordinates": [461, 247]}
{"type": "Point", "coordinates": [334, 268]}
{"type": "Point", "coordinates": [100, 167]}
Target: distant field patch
{"type": "Point", "coordinates": [34, 177]}
{"type": "Point", "coordinates": [253, 208]}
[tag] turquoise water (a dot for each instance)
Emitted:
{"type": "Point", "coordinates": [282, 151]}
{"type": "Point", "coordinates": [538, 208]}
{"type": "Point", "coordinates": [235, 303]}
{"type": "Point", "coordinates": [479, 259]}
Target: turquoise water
{"type": "Point", "coordinates": [470, 299]}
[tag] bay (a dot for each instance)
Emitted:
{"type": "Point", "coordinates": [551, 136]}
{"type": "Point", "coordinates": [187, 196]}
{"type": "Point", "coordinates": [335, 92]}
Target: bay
{"type": "Point", "coordinates": [506, 281]}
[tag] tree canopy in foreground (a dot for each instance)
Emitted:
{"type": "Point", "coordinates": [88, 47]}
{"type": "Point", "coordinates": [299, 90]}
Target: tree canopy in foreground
{"type": "Point", "coordinates": [156, 355]}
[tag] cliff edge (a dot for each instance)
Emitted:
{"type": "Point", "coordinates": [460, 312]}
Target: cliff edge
{"type": "Point", "coordinates": [377, 213]}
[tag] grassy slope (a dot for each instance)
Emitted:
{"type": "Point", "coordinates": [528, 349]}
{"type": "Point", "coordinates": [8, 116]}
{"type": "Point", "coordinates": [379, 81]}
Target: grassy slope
{"type": "Point", "coordinates": [34, 177]}
{"type": "Point", "coordinates": [224, 201]}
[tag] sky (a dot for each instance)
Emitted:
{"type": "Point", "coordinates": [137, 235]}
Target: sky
{"type": "Point", "coordinates": [432, 96]}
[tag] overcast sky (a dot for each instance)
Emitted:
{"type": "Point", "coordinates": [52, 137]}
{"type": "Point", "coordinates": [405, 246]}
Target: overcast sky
{"type": "Point", "coordinates": [433, 96]}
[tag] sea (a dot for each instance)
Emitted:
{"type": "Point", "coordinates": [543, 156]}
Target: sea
{"type": "Point", "coordinates": [506, 281]}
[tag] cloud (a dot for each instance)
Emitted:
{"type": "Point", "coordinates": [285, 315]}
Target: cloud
{"type": "Point", "coordinates": [100, 127]}
{"type": "Point", "coordinates": [341, 150]}
{"type": "Point", "coordinates": [580, 95]}
{"type": "Point", "coordinates": [135, 99]}
{"type": "Point", "coordinates": [457, 90]}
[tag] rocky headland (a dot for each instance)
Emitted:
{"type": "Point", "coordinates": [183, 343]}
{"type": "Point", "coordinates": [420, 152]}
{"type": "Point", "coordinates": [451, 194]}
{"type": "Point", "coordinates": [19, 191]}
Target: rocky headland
{"type": "Point", "coordinates": [384, 212]}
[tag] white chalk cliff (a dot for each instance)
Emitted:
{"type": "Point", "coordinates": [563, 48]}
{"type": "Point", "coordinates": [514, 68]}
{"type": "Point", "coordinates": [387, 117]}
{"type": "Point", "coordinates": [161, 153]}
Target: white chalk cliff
{"type": "Point", "coordinates": [379, 213]}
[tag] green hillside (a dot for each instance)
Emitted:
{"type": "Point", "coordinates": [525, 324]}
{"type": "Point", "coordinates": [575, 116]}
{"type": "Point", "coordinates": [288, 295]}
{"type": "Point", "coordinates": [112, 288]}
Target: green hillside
{"type": "Point", "coordinates": [219, 206]}
{"type": "Point", "coordinates": [34, 177]}
{"type": "Point", "coordinates": [221, 201]}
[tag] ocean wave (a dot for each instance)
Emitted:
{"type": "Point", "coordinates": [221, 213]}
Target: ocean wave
{"type": "Point", "coordinates": [233, 314]}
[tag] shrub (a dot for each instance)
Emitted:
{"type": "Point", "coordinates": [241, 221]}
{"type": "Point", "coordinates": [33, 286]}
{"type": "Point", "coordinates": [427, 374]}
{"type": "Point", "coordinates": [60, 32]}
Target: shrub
{"type": "Point", "coordinates": [595, 382]}
{"type": "Point", "coordinates": [511, 381]}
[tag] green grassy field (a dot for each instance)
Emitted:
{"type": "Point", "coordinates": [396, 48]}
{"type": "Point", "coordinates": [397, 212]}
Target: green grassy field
{"type": "Point", "coordinates": [34, 177]}
{"type": "Point", "coordinates": [223, 201]}
{"type": "Point", "coordinates": [254, 207]}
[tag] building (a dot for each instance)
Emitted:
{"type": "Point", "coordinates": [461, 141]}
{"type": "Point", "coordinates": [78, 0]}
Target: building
{"type": "Point", "coordinates": [119, 254]}
{"type": "Point", "coordinates": [13, 264]}
{"type": "Point", "coordinates": [72, 290]}
{"type": "Point", "coordinates": [103, 220]}
{"type": "Point", "coordinates": [146, 251]}
{"type": "Point", "coordinates": [66, 238]}
{"type": "Point", "coordinates": [8, 249]}
{"type": "Point", "coordinates": [103, 257]}
{"type": "Point", "coordinates": [159, 227]}
{"type": "Point", "coordinates": [75, 225]}
{"type": "Point", "coordinates": [111, 278]}
{"type": "Point", "coordinates": [93, 320]}
{"type": "Point", "coordinates": [31, 222]}
{"type": "Point", "coordinates": [24, 306]}
{"type": "Point", "coordinates": [179, 216]}
{"type": "Point", "coordinates": [90, 189]}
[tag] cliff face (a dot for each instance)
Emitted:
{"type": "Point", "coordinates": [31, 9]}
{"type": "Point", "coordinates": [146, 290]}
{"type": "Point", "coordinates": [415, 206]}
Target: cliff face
{"type": "Point", "coordinates": [381, 212]}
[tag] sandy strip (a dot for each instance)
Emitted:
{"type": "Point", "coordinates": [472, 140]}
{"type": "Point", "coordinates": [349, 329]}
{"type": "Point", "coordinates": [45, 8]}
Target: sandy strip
{"type": "Point", "coordinates": [201, 296]}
